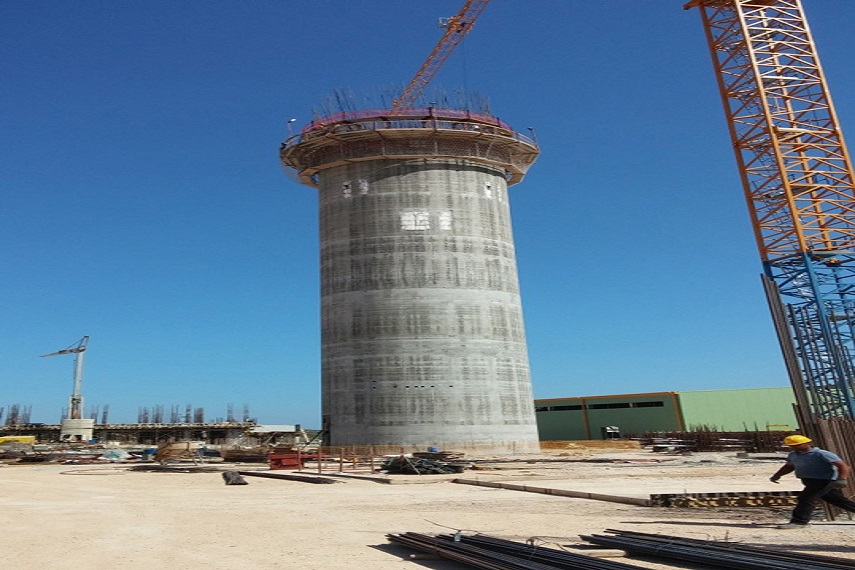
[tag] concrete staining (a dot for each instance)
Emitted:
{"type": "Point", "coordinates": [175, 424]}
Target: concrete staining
{"type": "Point", "coordinates": [423, 337]}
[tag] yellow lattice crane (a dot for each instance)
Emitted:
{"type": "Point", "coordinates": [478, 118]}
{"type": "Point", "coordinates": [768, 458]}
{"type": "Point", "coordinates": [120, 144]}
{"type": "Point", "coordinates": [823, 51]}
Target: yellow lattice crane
{"type": "Point", "coordinates": [798, 181]}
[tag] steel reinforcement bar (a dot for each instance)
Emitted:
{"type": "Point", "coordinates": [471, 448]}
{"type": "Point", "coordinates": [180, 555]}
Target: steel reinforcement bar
{"type": "Point", "coordinates": [814, 560]}
{"type": "Point", "coordinates": [717, 554]}
{"type": "Point", "coordinates": [499, 554]}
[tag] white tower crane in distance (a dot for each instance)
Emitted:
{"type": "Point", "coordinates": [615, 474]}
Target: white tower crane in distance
{"type": "Point", "coordinates": [75, 402]}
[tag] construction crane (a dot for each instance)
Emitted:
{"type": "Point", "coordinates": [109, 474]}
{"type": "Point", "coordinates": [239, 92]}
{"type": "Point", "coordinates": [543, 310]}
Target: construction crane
{"type": "Point", "coordinates": [456, 29]}
{"type": "Point", "coordinates": [798, 181]}
{"type": "Point", "coordinates": [75, 402]}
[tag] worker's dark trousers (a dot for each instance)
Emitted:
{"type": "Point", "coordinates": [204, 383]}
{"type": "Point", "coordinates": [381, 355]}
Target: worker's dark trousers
{"type": "Point", "coordinates": [814, 490]}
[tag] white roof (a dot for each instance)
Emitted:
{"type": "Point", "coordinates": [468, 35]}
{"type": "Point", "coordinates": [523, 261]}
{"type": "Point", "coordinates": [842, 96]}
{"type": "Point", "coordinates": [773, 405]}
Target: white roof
{"type": "Point", "coordinates": [273, 428]}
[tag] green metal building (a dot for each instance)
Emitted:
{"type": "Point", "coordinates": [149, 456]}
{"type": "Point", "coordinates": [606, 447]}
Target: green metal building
{"type": "Point", "coordinates": [600, 417]}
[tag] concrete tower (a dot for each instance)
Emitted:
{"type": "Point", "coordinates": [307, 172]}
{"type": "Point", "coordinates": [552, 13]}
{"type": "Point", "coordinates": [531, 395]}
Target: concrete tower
{"type": "Point", "coordinates": [423, 340]}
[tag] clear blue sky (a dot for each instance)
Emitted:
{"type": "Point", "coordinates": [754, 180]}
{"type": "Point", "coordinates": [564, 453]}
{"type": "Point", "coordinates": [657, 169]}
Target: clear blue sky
{"type": "Point", "coordinates": [143, 203]}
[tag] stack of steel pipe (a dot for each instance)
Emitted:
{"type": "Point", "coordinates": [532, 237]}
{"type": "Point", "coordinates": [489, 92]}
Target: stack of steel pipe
{"type": "Point", "coordinates": [717, 554]}
{"type": "Point", "coordinates": [499, 554]}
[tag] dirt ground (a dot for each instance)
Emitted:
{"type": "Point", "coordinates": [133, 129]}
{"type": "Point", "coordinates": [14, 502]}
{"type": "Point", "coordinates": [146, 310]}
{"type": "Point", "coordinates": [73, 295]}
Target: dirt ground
{"type": "Point", "coordinates": [110, 516]}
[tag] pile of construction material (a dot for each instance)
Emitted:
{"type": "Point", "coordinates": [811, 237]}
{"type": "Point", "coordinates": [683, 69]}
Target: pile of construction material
{"type": "Point", "coordinates": [412, 465]}
{"type": "Point", "coordinates": [498, 554]}
{"type": "Point", "coordinates": [448, 456]}
{"type": "Point", "coordinates": [482, 551]}
{"type": "Point", "coordinates": [715, 554]}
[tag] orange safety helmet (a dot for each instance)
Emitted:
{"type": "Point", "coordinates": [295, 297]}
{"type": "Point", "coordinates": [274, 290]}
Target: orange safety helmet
{"type": "Point", "coordinates": [796, 440]}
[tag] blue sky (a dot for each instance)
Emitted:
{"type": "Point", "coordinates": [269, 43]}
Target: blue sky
{"type": "Point", "coordinates": [143, 203]}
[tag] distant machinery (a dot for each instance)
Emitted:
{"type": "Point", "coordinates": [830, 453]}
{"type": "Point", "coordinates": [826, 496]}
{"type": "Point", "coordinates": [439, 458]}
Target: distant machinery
{"type": "Point", "coordinates": [75, 426]}
{"type": "Point", "coordinates": [75, 402]}
{"type": "Point", "coordinates": [798, 182]}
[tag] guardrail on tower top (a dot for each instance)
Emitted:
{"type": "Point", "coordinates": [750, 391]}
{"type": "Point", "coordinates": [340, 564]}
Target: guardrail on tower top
{"type": "Point", "coordinates": [423, 113]}
{"type": "Point", "coordinates": [384, 119]}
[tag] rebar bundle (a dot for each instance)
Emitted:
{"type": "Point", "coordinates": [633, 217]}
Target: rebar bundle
{"type": "Point", "coordinates": [499, 554]}
{"type": "Point", "coordinates": [717, 554]}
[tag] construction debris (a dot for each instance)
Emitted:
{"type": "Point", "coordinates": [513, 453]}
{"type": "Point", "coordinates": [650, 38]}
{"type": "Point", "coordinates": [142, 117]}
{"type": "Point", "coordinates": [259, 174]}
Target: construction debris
{"type": "Point", "coordinates": [178, 451]}
{"type": "Point", "coordinates": [234, 478]}
{"type": "Point", "coordinates": [403, 465]}
{"type": "Point", "coordinates": [446, 456]}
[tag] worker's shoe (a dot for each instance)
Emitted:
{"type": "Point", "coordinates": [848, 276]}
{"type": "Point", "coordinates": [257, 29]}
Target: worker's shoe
{"type": "Point", "coordinates": [792, 525]}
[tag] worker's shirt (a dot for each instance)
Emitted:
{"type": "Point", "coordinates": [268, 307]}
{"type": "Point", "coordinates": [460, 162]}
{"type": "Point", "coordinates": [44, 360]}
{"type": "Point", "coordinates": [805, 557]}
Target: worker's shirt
{"type": "Point", "coordinates": [814, 464]}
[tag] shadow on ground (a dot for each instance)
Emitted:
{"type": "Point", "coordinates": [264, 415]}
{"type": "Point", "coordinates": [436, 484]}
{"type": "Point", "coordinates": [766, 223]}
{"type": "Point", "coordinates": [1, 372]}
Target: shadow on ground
{"type": "Point", "coordinates": [422, 559]}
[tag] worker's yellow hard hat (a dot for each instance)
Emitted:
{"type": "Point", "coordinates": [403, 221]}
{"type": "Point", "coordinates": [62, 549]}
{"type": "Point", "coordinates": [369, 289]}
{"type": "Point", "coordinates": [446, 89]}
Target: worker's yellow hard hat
{"type": "Point", "coordinates": [796, 440]}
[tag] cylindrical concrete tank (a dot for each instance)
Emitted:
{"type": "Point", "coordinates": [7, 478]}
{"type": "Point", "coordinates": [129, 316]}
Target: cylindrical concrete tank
{"type": "Point", "coordinates": [72, 429]}
{"type": "Point", "coordinates": [423, 337]}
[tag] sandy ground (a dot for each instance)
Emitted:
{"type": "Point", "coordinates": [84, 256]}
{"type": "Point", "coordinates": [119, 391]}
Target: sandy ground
{"type": "Point", "coordinates": [108, 516]}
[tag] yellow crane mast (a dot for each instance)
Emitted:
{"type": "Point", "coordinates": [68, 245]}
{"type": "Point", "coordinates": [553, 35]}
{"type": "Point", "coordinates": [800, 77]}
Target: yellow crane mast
{"type": "Point", "coordinates": [798, 182]}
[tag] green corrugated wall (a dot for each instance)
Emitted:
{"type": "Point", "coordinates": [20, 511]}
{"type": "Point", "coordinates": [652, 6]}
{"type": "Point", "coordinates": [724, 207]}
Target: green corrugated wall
{"type": "Point", "coordinates": [720, 410]}
{"type": "Point", "coordinates": [643, 412]}
{"type": "Point", "coordinates": [737, 410]}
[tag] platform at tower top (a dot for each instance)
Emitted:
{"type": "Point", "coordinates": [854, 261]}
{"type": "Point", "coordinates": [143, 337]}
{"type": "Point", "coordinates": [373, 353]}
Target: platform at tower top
{"type": "Point", "coordinates": [429, 133]}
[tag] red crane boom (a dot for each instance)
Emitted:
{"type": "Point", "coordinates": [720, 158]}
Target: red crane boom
{"type": "Point", "coordinates": [455, 30]}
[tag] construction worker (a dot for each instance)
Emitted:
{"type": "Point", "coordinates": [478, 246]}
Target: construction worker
{"type": "Point", "coordinates": [823, 474]}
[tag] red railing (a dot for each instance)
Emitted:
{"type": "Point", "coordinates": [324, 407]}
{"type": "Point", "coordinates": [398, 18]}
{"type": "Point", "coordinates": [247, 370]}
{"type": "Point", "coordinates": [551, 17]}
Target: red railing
{"type": "Point", "coordinates": [399, 114]}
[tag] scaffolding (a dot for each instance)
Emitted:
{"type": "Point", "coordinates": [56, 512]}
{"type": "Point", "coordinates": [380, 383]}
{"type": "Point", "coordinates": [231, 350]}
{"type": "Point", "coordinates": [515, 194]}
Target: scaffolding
{"type": "Point", "coordinates": [408, 134]}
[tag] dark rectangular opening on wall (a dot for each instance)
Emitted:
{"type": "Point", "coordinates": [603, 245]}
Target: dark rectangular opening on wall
{"type": "Point", "coordinates": [558, 408]}
{"type": "Point", "coordinates": [648, 404]}
{"type": "Point", "coordinates": [608, 406]}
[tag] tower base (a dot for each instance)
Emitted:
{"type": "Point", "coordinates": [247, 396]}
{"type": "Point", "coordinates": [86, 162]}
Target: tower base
{"type": "Point", "coordinates": [76, 430]}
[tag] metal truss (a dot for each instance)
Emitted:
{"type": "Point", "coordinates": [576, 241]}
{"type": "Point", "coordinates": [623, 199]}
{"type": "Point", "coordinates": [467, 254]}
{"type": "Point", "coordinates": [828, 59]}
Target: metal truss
{"type": "Point", "coordinates": [798, 183]}
{"type": "Point", "coordinates": [456, 28]}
